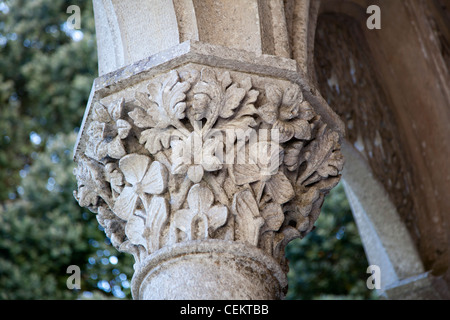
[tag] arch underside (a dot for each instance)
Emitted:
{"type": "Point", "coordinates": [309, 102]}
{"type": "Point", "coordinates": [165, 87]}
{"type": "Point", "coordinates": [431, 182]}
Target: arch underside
{"type": "Point", "coordinates": [396, 130]}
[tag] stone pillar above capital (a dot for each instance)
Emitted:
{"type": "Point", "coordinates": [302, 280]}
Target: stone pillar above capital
{"type": "Point", "coordinates": [131, 30]}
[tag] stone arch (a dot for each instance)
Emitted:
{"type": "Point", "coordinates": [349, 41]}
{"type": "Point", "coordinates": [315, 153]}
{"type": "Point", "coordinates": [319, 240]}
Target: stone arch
{"type": "Point", "coordinates": [392, 188]}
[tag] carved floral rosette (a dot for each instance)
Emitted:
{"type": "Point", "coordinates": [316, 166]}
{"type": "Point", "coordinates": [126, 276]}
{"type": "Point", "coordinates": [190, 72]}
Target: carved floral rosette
{"type": "Point", "coordinates": [160, 162]}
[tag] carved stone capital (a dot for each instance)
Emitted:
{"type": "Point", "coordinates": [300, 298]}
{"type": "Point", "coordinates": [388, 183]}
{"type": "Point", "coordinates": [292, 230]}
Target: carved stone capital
{"type": "Point", "coordinates": [194, 160]}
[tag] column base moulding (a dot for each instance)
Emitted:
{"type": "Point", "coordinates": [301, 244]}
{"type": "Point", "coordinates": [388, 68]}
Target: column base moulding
{"type": "Point", "coordinates": [209, 270]}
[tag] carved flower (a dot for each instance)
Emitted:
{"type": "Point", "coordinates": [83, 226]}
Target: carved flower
{"type": "Point", "coordinates": [287, 112]}
{"type": "Point", "coordinates": [201, 219]}
{"type": "Point", "coordinates": [106, 131]}
{"type": "Point", "coordinates": [263, 165]}
{"type": "Point", "coordinates": [194, 157]}
{"type": "Point", "coordinates": [144, 177]}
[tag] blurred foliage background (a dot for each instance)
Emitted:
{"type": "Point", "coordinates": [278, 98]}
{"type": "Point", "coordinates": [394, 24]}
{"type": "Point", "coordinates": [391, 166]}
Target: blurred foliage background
{"type": "Point", "coordinates": [46, 73]}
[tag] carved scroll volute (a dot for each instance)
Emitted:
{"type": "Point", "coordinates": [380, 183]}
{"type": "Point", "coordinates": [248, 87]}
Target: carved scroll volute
{"type": "Point", "coordinates": [207, 154]}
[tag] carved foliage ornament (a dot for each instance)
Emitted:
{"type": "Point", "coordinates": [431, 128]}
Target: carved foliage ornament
{"type": "Point", "coordinates": [204, 155]}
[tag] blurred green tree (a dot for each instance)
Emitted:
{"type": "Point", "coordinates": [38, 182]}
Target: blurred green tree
{"type": "Point", "coordinates": [44, 231]}
{"type": "Point", "coordinates": [46, 73]}
{"type": "Point", "coordinates": [329, 263]}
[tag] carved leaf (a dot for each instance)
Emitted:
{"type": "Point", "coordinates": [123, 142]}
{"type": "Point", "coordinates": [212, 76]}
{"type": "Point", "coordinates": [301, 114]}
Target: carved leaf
{"type": "Point", "coordinates": [274, 94]}
{"type": "Point", "coordinates": [200, 199]}
{"type": "Point", "coordinates": [91, 184]}
{"type": "Point", "coordinates": [200, 220]}
{"type": "Point", "coordinates": [177, 96]}
{"type": "Point", "coordinates": [126, 203]}
{"type": "Point", "coordinates": [157, 216]}
{"type": "Point", "coordinates": [247, 110]}
{"type": "Point", "coordinates": [217, 217]}
{"type": "Point", "coordinates": [114, 149]}
{"type": "Point", "coordinates": [242, 120]}
{"type": "Point", "coordinates": [195, 173]}
{"type": "Point", "coordinates": [288, 129]}
{"type": "Point", "coordinates": [333, 166]}
{"type": "Point", "coordinates": [135, 231]}
{"type": "Point", "coordinates": [268, 155]}
{"type": "Point", "coordinates": [209, 161]}
{"type": "Point", "coordinates": [268, 112]}
{"type": "Point", "coordinates": [141, 118]}
{"type": "Point", "coordinates": [170, 96]}
{"type": "Point", "coordinates": [216, 96]}
{"type": "Point", "coordinates": [224, 79]}
{"type": "Point", "coordinates": [280, 188]}
{"type": "Point", "coordinates": [114, 177]}
{"type": "Point", "coordinates": [123, 128]}
{"type": "Point", "coordinates": [292, 95]}
{"type": "Point", "coordinates": [100, 114]}
{"type": "Point", "coordinates": [246, 173]}
{"type": "Point", "coordinates": [318, 153]}
{"type": "Point", "coordinates": [134, 167]}
{"type": "Point", "coordinates": [115, 109]}
{"type": "Point", "coordinates": [252, 95]}
{"type": "Point", "coordinates": [233, 98]}
{"type": "Point", "coordinates": [248, 218]}
{"type": "Point", "coordinates": [165, 105]}
{"type": "Point", "coordinates": [292, 155]}
{"type": "Point", "coordinates": [153, 117]}
{"type": "Point", "coordinates": [273, 217]}
{"type": "Point", "coordinates": [303, 202]}
{"type": "Point", "coordinates": [156, 139]}
{"type": "Point", "coordinates": [180, 158]}
{"type": "Point", "coordinates": [236, 125]}
{"type": "Point", "coordinates": [155, 180]}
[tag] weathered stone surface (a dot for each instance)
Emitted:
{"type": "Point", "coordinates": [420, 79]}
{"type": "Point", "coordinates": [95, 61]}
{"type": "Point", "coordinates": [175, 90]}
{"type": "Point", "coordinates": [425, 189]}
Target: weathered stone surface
{"type": "Point", "coordinates": [211, 270]}
{"type": "Point", "coordinates": [175, 72]}
{"type": "Point", "coordinates": [197, 153]}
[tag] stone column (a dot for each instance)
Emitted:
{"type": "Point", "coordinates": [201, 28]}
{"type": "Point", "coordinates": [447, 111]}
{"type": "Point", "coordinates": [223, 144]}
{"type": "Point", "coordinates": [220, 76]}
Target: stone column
{"type": "Point", "coordinates": [204, 154]}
